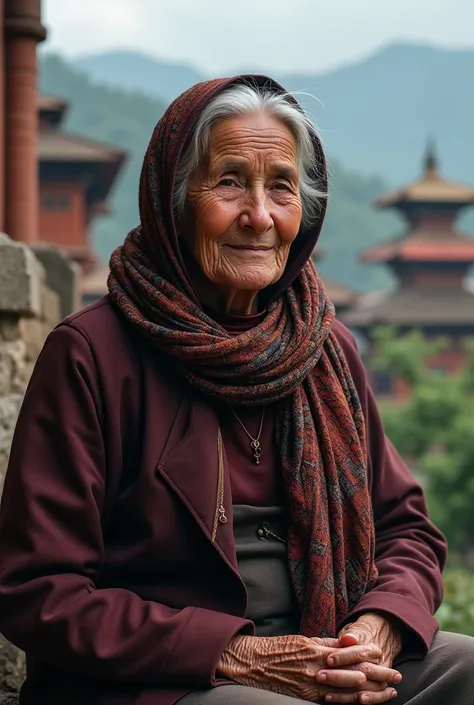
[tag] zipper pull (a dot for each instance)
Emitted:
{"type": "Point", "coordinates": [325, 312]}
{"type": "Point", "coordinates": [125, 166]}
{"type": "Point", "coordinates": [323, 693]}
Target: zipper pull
{"type": "Point", "coordinates": [264, 532]}
{"type": "Point", "coordinates": [222, 514]}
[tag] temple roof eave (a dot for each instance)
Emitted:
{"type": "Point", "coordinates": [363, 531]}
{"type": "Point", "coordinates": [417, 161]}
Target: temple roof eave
{"type": "Point", "coordinates": [62, 155]}
{"type": "Point", "coordinates": [56, 145]}
{"type": "Point", "coordinates": [448, 246]}
{"type": "Point", "coordinates": [417, 307]}
{"type": "Point", "coordinates": [407, 197]}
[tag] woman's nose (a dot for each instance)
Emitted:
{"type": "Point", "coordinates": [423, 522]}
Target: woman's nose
{"type": "Point", "coordinates": [256, 215]}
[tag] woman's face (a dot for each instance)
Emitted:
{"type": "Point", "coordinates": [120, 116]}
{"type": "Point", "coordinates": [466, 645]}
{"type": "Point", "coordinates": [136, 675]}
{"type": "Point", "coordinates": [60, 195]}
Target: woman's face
{"type": "Point", "coordinates": [246, 208]}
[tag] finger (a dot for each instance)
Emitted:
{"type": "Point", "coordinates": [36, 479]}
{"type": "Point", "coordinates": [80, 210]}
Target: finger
{"type": "Point", "coordinates": [364, 697]}
{"type": "Point", "coordinates": [349, 639]}
{"type": "Point", "coordinates": [341, 678]}
{"type": "Point", "coordinates": [343, 697]}
{"type": "Point", "coordinates": [383, 696]}
{"type": "Point", "coordinates": [353, 655]}
{"type": "Point", "coordinates": [377, 672]}
{"type": "Point", "coordinates": [382, 674]}
{"type": "Point", "coordinates": [374, 686]}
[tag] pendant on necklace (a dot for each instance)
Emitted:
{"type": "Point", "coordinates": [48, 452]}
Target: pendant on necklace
{"type": "Point", "coordinates": [255, 445]}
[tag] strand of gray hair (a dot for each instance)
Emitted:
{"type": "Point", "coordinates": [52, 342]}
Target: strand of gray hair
{"type": "Point", "coordinates": [243, 99]}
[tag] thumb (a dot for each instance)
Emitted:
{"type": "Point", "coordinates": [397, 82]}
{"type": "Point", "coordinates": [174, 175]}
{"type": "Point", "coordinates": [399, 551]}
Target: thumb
{"type": "Point", "coordinates": [350, 638]}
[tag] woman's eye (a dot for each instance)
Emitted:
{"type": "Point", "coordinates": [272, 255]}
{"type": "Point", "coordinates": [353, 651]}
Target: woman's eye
{"type": "Point", "coordinates": [227, 182]}
{"type": "Point", "coordinates": [281, 186]}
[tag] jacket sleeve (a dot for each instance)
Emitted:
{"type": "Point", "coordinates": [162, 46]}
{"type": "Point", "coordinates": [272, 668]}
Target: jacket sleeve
{"type": "Point", "coordinates": [410, 552]}
{"type": "Point", "coordinates": [52, 548]}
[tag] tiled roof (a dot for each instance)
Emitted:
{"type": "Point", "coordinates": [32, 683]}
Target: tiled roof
{"type": "Point", "coordinates": [423, 305]}
{"type": "Point", "coordinates": [430, 188]}
{"type": "Point", "coordinates": [55, 145]}
{"type": "Point", "coordinates": [447, 246]}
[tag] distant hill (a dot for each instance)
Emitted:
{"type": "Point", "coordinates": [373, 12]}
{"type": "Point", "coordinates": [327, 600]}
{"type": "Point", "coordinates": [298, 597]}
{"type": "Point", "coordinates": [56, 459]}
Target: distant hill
{"type": "Point", "coordinates": [375, 115]}
{"type": "Point", "coordinates": [137, 72]}
{"type": "Point", "coordinates": [127, 120]}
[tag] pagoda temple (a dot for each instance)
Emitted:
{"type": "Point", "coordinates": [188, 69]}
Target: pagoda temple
{"type": "Point", "coordinates": [75, 178]}
{"type": "Point", "coordinates": [430, 262]}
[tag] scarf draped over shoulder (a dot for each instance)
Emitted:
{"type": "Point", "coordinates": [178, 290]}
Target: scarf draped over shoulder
{"type": "Point", "coordinates": [291, 355]}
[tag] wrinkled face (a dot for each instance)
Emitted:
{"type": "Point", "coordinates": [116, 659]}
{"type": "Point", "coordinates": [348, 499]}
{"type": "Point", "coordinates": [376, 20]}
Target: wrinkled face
{"type": "Point", "coordinates": [245, 203]}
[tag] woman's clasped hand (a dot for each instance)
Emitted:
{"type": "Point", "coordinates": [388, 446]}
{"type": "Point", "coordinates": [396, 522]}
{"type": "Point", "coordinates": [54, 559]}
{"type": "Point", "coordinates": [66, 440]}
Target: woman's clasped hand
{"type": "Point", "coordinates": [298, 667]}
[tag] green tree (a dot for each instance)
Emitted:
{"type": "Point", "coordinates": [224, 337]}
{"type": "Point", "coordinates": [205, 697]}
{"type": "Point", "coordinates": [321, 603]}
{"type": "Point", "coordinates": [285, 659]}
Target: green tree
{"type": "Point", "coordinates": [433, 428]}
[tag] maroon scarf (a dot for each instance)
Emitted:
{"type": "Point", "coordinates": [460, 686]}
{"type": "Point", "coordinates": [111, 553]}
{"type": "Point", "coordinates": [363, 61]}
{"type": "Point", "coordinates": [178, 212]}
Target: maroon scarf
{"type": "Point", "coordinates": [292, 355]}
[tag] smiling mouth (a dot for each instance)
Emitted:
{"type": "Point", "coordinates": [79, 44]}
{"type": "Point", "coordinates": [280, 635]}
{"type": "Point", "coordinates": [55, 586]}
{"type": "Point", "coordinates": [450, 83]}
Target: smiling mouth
{"type": "Point", "coordinates": [250, 248]}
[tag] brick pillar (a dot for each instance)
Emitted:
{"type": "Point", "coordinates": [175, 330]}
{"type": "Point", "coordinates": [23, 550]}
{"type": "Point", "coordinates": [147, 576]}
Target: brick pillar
{"type": "Point", "coordinates": [23, 31]}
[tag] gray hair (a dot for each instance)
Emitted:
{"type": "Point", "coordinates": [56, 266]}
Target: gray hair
{"type": "Point", "coordinates": [241, 99]}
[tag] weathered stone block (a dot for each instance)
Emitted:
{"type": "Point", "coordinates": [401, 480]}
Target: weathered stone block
{"type": "Point", "coordinates": [9, 409]}
{"type": "Point", "coordinates": [6, 372]}
{"type": "Point", "coordinates": [32, 333]}
{"type": "Point", "coordinates": [3, 469]}
{"type": "Point", "coordinates": [62, 277]}
{"type": "Point", "coordinates": [9, 699]}
{"type": "Point", "coordinates": [12, 363]}
{"type": "Point", "coordinates": [12, 667]}
{"type": "Point", "coordinates": [21, 278]}
{"type": "Point", "coordinates": [9, 326]}
{"type": "Point", "coordinates": [50, 307]}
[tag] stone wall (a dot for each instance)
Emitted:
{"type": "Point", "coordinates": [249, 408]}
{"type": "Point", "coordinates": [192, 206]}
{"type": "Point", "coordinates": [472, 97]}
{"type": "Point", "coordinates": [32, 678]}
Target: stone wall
{"type": "Point", "coordinates": [37, 289]}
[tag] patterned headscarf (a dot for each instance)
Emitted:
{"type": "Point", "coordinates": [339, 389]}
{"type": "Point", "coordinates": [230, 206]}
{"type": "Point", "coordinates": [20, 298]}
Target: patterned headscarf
{"type": "Point", "coordinates": [291, 355]}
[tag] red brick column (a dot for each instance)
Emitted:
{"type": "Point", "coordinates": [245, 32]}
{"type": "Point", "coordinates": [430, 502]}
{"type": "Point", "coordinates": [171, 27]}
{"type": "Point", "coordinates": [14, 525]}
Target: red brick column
{"type": "Point", "coordinates": [23, 31]}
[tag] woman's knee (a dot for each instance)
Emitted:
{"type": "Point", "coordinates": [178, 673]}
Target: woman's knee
{"type": "Point", "coordinates": [238, 695]}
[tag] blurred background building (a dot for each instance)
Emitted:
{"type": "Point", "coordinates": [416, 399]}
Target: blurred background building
{"type": "Point", "coordinates": [430, 262]}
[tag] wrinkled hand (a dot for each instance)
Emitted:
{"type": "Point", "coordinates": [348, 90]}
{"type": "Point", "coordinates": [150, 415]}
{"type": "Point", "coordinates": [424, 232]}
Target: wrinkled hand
{"type": "Point", "coordinates": [356, 639]}
{"type": "Point", "coordinates": [374, 628]}
{"type": "Point", "coordinates": [288, 665]}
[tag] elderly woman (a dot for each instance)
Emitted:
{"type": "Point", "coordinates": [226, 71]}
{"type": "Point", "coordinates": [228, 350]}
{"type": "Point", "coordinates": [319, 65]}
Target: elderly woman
{"type": "Point", "coordinates": [200, 492]}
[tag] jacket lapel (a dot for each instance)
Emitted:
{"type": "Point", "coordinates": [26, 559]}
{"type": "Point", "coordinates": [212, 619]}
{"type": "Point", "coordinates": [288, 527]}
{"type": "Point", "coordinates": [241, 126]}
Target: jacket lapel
{"type": "Point", "coordinates": [190, 466]}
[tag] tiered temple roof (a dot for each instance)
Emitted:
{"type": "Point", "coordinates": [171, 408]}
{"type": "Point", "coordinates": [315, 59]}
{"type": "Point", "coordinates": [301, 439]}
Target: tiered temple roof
{"type": "Point", "coordinates": [430, 260]}
{"type": "Point", "coordinates": [63, 155]}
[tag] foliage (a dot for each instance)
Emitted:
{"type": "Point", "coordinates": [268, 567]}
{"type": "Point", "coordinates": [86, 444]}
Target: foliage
{"type": "Point", "coordinates": [456, 614]}
{"type": "Point", "coordinates": [434, 429]}
{"type": "Point", "coordinates": [127, 120]}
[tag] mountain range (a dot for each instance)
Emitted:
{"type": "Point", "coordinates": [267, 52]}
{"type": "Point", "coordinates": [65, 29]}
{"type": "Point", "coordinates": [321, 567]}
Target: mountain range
{"type": "Point", "coordinates": [375, 115]}
{"type": "Point", "coordinates": [378, 115]}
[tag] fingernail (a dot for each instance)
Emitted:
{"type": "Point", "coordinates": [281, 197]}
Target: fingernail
{"type": "Point", "coordinates": [330, 661]}
{"type": "Point", "coordinates": [398, 678]}
{"type": "Point", "coordinates": [394, 693]}
{"type": "Point", "coordinates": [364, 698]}
{"type": "Point", "coordinates": [322, 676]}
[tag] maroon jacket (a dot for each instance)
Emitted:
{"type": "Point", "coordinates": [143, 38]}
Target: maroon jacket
{"type": "Point", "coordinates": [109, 577]}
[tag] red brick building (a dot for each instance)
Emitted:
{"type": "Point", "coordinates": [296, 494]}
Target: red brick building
{"type": "Point", "coordinates": [430, 263]}
{"type": "Point", "coordinates": [52, 183]}
{"type": "Point", "coordinates": [76, 175]}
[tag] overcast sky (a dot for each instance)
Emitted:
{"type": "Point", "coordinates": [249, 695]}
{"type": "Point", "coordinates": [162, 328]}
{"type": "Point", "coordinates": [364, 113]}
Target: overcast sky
{"type": "Point", "coordinates": [219, 35]}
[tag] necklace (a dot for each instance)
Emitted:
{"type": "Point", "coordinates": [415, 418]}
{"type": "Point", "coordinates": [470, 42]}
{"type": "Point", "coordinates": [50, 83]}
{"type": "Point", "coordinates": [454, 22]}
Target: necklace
{"type": "Point", "coordinates": [254, 442]}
